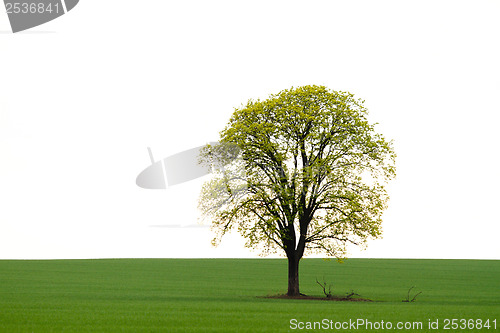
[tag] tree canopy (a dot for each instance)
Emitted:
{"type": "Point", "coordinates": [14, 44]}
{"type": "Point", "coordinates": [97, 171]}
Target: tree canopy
{"type": "Point", "coordinates": [301, 171]}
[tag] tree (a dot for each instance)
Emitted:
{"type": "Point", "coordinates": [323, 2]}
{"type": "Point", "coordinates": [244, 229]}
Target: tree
{"type": "Point", "coordinates": [301, 171]}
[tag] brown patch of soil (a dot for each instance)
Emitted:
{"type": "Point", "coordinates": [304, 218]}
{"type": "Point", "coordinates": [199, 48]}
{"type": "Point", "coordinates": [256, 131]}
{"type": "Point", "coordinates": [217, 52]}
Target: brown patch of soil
{"type": "Point", "coordinates": [317, 298]}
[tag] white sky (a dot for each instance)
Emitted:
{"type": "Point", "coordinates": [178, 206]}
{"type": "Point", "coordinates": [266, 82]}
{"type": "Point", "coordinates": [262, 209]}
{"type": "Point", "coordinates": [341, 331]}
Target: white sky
{"type": "Point", "coordinates": [83, 96]}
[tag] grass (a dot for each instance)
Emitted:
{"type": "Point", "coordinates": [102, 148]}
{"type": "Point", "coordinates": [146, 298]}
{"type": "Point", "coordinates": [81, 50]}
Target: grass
{"type": "Point", "coordinates": [222, 295]}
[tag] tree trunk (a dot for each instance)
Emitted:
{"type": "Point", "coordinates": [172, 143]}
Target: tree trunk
{"type": "Point", "coordinates": [293, 275]}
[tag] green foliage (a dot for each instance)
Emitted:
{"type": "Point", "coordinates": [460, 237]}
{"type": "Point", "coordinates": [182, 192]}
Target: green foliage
{"type": "Point", "coordinates": [310, 173]}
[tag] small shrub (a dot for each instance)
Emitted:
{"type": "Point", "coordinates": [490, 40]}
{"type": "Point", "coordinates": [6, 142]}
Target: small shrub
{"type": "Point", "coordinates": [408, 296]}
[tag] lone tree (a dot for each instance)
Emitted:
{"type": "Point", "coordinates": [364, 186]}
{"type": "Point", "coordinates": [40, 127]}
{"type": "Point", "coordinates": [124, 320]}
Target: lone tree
{"type": "Point", "coordinates": [300, 171]}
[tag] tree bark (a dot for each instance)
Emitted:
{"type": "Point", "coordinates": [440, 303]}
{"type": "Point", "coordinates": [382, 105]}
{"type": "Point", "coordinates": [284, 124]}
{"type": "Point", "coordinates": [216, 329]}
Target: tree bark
{"type": "Point", "coordinates": [293, 275]}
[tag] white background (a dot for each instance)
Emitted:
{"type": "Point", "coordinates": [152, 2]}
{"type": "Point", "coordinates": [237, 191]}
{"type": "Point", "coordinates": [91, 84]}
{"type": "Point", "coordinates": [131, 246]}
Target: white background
{"type": "Point", "coordinates": [82, 97]}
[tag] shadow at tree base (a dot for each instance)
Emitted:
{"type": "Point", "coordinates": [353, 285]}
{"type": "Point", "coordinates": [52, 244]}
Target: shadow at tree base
{"type": "Point", "coordinates": [319, 298]}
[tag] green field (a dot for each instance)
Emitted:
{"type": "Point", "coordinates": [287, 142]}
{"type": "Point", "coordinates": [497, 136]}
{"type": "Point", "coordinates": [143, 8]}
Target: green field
{"type": "Point", "coordinates": [223, 295]}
